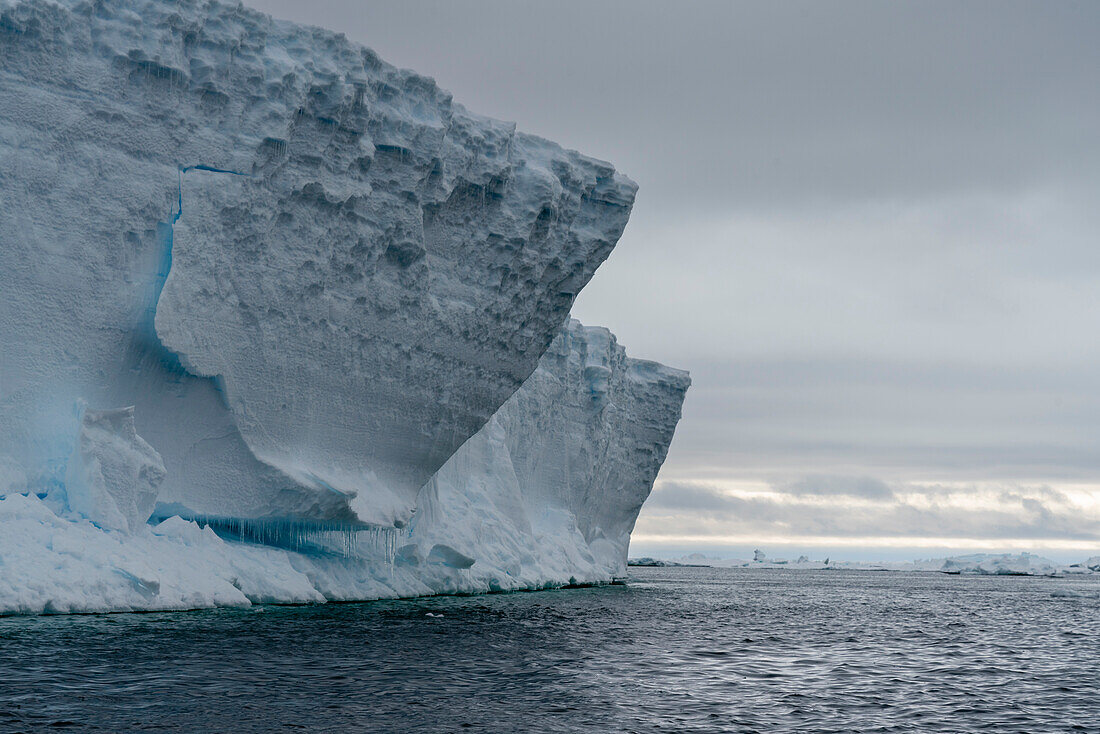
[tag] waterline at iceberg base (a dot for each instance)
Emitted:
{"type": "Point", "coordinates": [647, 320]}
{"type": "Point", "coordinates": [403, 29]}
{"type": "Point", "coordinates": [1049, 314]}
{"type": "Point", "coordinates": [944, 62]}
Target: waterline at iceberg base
{"type": "Point", "coordinates": [282, 323]}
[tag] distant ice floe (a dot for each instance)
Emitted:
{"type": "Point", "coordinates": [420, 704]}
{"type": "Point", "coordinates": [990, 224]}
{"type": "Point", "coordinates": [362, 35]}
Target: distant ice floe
{"type": "Point", "coordinates": [981, 564]}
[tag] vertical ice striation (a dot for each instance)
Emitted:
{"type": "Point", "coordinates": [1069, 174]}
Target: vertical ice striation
{"type": "Point", "coordinates": [550, 489]}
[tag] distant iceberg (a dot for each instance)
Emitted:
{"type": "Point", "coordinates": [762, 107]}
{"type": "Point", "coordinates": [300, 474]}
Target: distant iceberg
{"type": "Point", "coordinates": [981, 564]}
{"type": "Point", "coordinates": [1005, 564]}
{"type": "Point", "coordinates": [284, 323]}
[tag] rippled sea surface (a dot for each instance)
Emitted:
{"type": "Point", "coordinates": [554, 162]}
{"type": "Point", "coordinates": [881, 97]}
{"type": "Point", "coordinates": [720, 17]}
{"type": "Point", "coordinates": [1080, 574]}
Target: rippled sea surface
{"type": "Point", "coordinates": [677, 650]}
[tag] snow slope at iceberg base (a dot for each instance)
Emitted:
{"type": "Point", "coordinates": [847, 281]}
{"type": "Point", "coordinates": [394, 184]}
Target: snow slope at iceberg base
{"type": "Point", "coordinates": [545, 495]}
{"type": "Point", "coordinates": [50, 563]}
{"type": "Point", "coordinates": [53, 563]}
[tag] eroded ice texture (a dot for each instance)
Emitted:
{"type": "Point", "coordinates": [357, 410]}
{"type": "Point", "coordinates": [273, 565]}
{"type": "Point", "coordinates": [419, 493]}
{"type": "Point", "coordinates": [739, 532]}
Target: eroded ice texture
{"type": "Point", "coordinates": [544, 495]}
{"type": "Point", "coordinates": [318, 282]}
{"type": "Point", "coordinates": [113, 475]}
{"type": "Point", "coordinates": [312, 274]}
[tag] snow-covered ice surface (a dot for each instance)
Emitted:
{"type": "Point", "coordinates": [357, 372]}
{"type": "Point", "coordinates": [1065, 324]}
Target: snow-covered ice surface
{"type": "Point", "coordinates": [288, 282]}
{"type": "Point", "coordinates": [56, 564]}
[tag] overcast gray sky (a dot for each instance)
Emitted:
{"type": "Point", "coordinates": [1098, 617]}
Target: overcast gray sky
{"type": "Point", "coordinates": [870, 230]}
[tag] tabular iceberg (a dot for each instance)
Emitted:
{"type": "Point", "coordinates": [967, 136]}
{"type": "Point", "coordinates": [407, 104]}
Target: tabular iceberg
{"type": "Point", "coordinates": [303, 314]}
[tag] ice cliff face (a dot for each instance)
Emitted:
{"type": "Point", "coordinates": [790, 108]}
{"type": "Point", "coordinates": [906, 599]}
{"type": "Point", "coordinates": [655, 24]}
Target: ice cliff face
{"type": "Point", "coordinates": [314, 278]}
{"type": "Point", "coordinates": [310, 269]}
{"type": "Point", "coordinates": [558, 476]}
{"type": "Point", "coordinates": [543, 495]}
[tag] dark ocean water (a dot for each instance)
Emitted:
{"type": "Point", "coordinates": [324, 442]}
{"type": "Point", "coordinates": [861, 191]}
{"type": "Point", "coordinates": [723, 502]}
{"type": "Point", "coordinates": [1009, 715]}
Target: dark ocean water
{"type": "Point", "coordinates": [676, 650]}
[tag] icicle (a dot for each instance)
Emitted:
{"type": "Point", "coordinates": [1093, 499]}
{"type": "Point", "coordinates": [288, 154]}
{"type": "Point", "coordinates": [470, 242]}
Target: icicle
{"type": "Point", "coordinates": [372, 543]}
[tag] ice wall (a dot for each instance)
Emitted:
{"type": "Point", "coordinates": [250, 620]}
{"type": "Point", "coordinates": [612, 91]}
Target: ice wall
{"type": "Point", "coordinates": [548, 491]}
{"type": "Point", "coordinates": [313, 275]}
{"type": "Point", "coordinates": [282, 323]}
{"type": "Point", "coordinates": [544, 495]}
